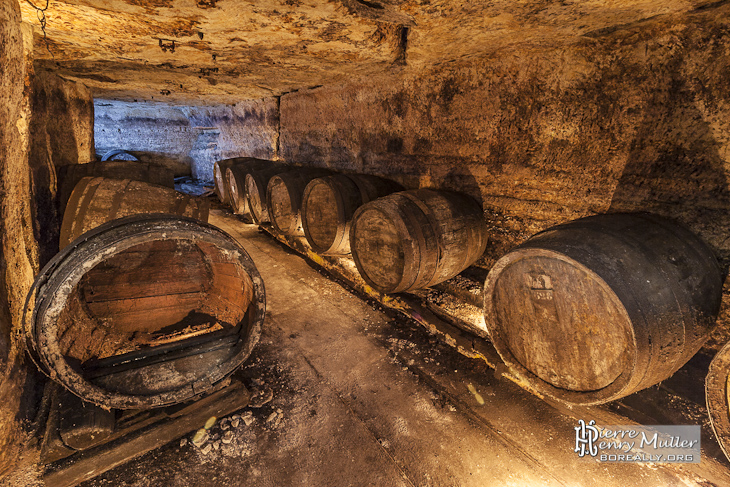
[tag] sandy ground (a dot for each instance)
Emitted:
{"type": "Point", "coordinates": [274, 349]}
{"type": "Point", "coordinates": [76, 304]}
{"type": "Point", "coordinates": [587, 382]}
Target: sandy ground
{"type": "Point", "coordinates": [346, 394]}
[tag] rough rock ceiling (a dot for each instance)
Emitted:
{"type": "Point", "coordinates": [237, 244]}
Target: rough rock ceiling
{"type": "Point", "coordinates": [225, 51]}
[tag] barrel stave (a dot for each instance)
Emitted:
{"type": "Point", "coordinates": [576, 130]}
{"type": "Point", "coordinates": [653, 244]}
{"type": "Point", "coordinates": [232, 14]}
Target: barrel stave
{"type": "Point", "coordinates": [97, 200]}
{"type": "Point", "coordinates": [284, 195]}
{"type": "Point", "coordinates": [435, 234]}
{"type": "Point", "coordinates": [329, 203]}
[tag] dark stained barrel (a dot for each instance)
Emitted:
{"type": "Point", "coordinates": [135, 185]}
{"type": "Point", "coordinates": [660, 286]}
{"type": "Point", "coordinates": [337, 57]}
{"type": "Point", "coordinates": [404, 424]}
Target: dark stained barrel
{"type": "Point", "coordinates": [284, 198]}
{"type": "Point", "coordinates": [256, 184]}
{"type": "Point", "coordinates": [236, 177]}
{"type": "Point", "coordinates": [98, 200]}
{"type": "Point", "coordinates": [717, 395]}
{"type": "Point", "coordinates": [330, 202]}
{"type": "Point", "coordinates": [415, 239]}
{"type": "Point", "coordinates": [601, 307]}
{"type": "Point", "coordinates": [220, 177]}
{"type": "Point", "coordinates": [145, 311]}
{"type": "Point", "coordinates": [69, 176]}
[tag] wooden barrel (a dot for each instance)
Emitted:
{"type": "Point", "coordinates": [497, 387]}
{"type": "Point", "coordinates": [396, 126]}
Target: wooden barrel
{"type": "Point", "coordinates": [284, 198]}
{"type": "Point", "coordinates": [98, 200]}
{"type": "Point", "coordinates": [717, 395]}
{"type": "Point", "coordinates": [236, 177]}
{"type": "Point", "coordinates": [220, 178]}
{"type": "Point", "coordinates": [69, 176]}
{"type": "Point", "coordinates": [415, 239]}
{"type": "Point", "coordinates": [118, 155]}
{"type": "Point", "coordinates": [601, 307]}
{"type": "Point", "coordinates": [256, 184]}
{"type": "Point", "coordinates": [145, 311]}
{"type": "Point", "coordinates": [330, 202]}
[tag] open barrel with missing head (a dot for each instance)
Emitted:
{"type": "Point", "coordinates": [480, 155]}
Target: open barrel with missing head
{"type": "Point", "coordinates": [145, 311]}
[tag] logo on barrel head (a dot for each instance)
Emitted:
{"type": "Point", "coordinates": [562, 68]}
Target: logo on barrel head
{"type": "Point", "coordinates": [541, 286]}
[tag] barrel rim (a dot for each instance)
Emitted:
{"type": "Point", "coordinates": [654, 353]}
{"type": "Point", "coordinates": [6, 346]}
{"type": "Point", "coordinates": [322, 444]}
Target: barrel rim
{"type": "Point", "coordinates": [292, 204]}
{"type": "Point", "coordinates": [92, 248]}
{"type": "Point", "coordinates": [341, 233]}
{"type": "Point", "coordinates": [237, 201]}
{"type": "Point", "coordinates": [598, 396]}
{"type": "Point", "coordinates": [386, 206]}
{"type": "Point", "coordinates": [716, 397]}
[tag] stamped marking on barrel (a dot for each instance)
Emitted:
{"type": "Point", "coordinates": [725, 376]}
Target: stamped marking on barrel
{"type": "Point", "coordinates": [541, 286]}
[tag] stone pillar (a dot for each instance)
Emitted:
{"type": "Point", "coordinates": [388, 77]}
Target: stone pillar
{"type": "Point", "coordinates": [18, 248]}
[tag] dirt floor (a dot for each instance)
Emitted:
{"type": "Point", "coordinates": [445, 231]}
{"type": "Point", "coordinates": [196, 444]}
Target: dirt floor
{"type": "Point", "coordinates": [346, 394]}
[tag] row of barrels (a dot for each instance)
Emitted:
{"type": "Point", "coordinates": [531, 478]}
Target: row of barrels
{"type": "Point", "coordinates": [400, 240]}
{"type": "Point", "coordinates": [585, 312]}
{"type": "Point", "coordinates": [146, 305]}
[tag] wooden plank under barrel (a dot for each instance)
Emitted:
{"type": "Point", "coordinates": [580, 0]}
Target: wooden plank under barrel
{"type": "Point", "coordinates": [98, 200]}
{"type": "Point", "coordinates": [415, 239]}
{"type": "Point", "coordinates": [145, 311]}
{"type": "Point", "coordinates": [601, 307]}
{"type": "Point", "coordinates": [284, 198]}
{"type": "Point", "coordinates": [330, 202]}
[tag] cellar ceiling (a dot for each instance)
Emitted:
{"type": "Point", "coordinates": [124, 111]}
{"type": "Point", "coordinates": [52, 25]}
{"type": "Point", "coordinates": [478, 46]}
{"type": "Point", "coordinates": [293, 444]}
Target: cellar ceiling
{"type": "Point", "coordinates": [224, 51]}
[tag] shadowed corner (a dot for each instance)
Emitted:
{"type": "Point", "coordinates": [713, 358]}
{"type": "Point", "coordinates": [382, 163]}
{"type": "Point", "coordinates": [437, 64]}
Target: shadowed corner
{"type": "Point", "coordinates": [674, 169]}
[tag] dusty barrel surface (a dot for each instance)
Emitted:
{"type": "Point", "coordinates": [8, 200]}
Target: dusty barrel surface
{"type": "Point", "coordinates": [601, 307]}
{"type": "Point", "coordinates": [98, 200]}
{"type": "Point", "coordinates": [220, 178]}
{"type": "Point", "coordinates": [717, 395]}
{"type": "Point", "coordinates": [415, 239]}
{"type": "Point", "coordinates": [236, 177]}
{"type": "Point", "coordinates": [145, 311]}
{"type": "Point", "coordinates": [256, 184]}
{"type": "Point", "coordinates": [284, 199]}
{"type": "Point", "coordinates": [69, 176]}
{"type": "Point", "coordinates": [329, 203]}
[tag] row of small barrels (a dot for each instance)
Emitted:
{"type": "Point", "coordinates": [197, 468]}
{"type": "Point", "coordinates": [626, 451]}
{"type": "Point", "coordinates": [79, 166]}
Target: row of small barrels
{"type": "Point", "coordinates": [146, 305]}
{"type": "Point", "coordinates": [400, 240]}
{"type": "Point", "coordinates": [585, 312]}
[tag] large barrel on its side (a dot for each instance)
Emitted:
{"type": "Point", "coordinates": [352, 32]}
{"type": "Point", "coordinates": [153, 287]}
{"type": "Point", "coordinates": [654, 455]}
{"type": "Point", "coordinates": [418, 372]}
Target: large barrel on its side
{"type": "Point", "coordinates": [69, 176]}
{"type": "Point", "coordinates": [415, 239]}
{"type": "Point", "coordinates": [98, 200]}
{"type": "Point", "coordinates": [236, 177]}
{"type": "Point", "coordinates": [601, 307]}
{"type": "Point", "coordinates": [145, 311]}
{"type": "Point", "coordinates": [284, 198]}
{"type": "Point", "coordinates": [330, 202]}
{"type": "Point", "coordinates": [256, 184]}
{"type": "Point", "coordinates": [717, 395]}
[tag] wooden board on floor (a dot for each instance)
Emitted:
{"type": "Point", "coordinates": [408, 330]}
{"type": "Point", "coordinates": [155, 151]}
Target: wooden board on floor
{"type": "Point", "coordinates": [163, 427]}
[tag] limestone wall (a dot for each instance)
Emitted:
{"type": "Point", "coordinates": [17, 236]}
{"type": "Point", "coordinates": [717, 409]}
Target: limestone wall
{"type": "Point", "coordinates": [61, 128]}
{"type": "Point", "coordinates": [188, 139]}
{"type": "Point", "coordinates": [19, 258]}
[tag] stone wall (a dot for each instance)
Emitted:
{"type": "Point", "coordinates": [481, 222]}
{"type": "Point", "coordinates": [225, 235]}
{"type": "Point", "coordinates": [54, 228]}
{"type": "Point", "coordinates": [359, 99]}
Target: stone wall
{"type": "Point", "coordinates": [153, 132]}
{"type": "Point", "coordinates": [19, 258]}
{"type": "Point", "coordinates": [246, 129]}
{"type": "Point", "coordinates": [633, 119]}
{"type": "Point", "coordinates": [188, 139]}
{"type": "Point", "coordinates": [630, 119]}
{"type": "Point", "coordinates": [62, 134]}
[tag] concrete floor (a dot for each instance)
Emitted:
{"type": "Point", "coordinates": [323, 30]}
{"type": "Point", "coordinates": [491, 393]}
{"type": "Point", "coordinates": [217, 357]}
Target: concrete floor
{"type": "Point", "coordinates": [361, 398]}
